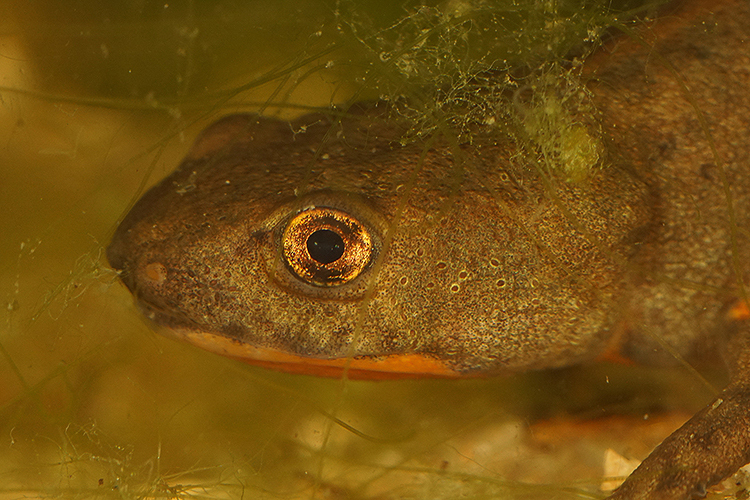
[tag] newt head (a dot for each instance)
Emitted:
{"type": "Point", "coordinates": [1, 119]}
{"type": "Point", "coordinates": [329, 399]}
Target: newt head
{"type": "Point", "coordinates": [312, 246]}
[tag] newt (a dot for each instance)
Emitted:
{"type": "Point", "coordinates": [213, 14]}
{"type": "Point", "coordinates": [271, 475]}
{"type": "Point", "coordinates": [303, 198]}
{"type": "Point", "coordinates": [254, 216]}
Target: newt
{"type": "Point", "coordinates": [325, 246]}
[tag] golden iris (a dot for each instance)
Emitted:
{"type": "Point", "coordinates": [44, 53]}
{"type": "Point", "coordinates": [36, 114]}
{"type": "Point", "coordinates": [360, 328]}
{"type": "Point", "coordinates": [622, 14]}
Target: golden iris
{"type": "Point", "coordinates": [326, 247]}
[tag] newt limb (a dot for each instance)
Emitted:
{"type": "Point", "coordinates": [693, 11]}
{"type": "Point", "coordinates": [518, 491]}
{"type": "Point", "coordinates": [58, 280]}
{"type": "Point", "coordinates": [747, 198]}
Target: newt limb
{"type": "Point", "coordinates": [708, 448]}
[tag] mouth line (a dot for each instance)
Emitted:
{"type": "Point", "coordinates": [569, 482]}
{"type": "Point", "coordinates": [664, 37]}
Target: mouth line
{"type": "Point", "coordinates": [356, 368]}
{"type": "Point", "coordinates": [177, 327]}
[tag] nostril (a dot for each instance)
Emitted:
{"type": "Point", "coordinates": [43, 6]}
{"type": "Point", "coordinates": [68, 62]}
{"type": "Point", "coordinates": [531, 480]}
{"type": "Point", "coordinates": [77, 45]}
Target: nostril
{"type": "Point", "coordinates": [154, 272]}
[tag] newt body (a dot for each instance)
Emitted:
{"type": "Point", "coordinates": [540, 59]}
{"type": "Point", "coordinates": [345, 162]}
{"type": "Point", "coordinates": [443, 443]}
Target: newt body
{"type": "Point", "coordinates": [323, 246]}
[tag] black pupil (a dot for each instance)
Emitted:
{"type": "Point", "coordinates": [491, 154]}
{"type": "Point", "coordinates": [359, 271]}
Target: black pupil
{"type": "Point", "coordinates": [325, 246]}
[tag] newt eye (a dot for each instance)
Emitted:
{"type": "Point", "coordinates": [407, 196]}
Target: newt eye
{"type": "Point", "coordinates": [326, 247]}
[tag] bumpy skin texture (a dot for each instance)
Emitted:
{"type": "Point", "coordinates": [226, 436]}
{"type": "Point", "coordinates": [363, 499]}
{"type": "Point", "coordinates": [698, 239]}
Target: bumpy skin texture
{"type": "Point", "coordinates": [483, 273]}
{"type": "Point", "coordinates": [694, 275]}
{"type": "Point", "coordinates": [687, 272]}
{"type": "Point", "coordinates": [483, 263]}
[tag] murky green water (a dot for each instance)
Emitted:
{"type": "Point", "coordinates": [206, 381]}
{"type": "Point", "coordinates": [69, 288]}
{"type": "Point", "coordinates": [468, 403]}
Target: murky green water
{"type": "Point", "coordinates": [97, 102]}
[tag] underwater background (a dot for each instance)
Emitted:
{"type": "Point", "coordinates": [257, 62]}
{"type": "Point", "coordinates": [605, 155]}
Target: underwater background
{"type": "Point", "coordinates": [98, 101]}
